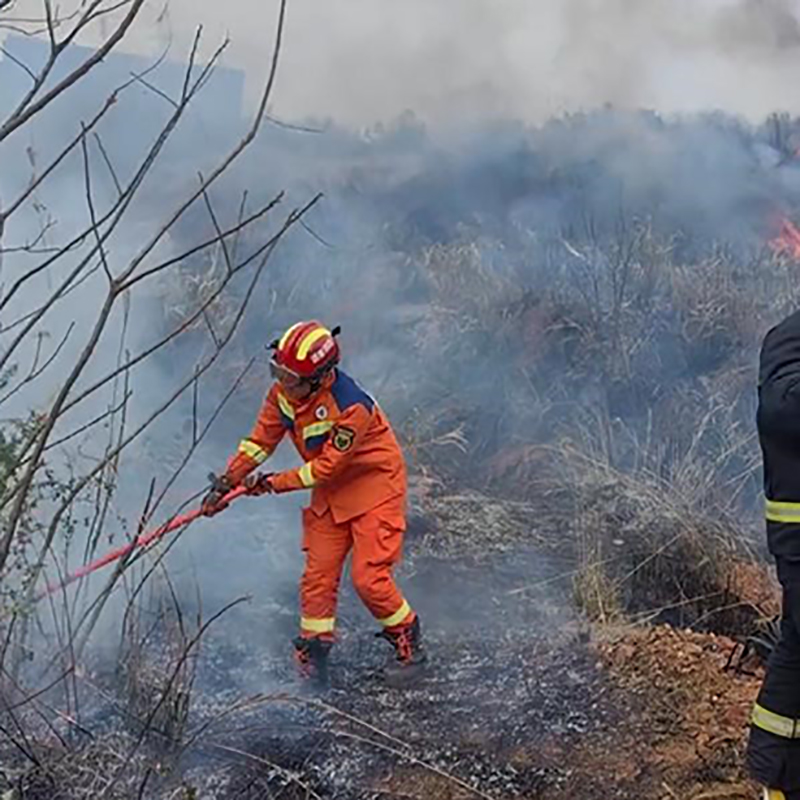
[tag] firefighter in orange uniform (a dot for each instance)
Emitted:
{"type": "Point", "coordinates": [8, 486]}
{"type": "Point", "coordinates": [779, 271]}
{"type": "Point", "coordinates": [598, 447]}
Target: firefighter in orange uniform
{"type": "Point", "coordinates": [356, 472]}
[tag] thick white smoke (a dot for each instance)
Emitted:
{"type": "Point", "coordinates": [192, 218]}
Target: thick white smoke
{"type": "Point", "coordinates": [360, 61]}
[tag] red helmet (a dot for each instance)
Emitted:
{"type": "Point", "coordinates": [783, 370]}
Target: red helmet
{"type": "Point", "coordinates": [307, 351]}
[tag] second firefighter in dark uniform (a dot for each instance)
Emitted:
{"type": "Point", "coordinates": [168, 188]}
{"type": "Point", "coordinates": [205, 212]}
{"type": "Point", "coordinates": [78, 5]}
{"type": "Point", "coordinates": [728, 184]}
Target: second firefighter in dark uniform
{"type": "Point", "coordinates": [774, 749]}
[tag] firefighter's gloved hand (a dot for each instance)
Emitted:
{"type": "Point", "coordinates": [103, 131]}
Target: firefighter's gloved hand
{"type": "Point", "coordinates": [259, 483]}
{"type": "Point", "coordinates": [212, 502]}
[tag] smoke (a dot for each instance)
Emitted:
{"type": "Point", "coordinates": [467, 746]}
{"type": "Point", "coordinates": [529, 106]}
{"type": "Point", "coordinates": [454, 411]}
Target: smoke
{"type": "Point", "coordinates": [441, 229]}
{"type": "Point", "coordinates": [453, 61]}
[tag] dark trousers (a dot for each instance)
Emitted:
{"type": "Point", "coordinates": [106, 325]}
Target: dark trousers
{"type": "Point", "coordinates": [774, 760]}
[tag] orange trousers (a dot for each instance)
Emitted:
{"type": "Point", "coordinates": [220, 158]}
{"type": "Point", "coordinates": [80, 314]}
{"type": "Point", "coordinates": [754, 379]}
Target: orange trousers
{"type": "Point", "coordinates": [376, 541]}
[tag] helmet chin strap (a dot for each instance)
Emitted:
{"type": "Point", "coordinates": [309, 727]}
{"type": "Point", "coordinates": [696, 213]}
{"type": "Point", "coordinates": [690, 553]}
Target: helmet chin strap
{"type": "Point", "coordinates": [316, 382]}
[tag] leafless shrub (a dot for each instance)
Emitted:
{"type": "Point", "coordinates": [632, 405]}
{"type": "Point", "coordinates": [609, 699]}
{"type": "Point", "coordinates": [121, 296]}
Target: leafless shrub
{"type": "Point", "coordinates": [461, 280]}
{"type": "Point", "coordinates": [60, 466]}
{"type": "Point", "coordinates": [82, 773]}
{"type": "Point", "coordinates": [155, 671]}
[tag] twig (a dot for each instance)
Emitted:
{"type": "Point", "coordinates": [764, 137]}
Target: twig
{"type": "Point", "coordinates": [156, 91]}
{"type": "Point", "coordinates": [21, 64]}
{"type": "Point", "coordinates": [259, 759]}
{"type": "Point", "coordinates": [87, 185]}
{"type": "Point", "coordinates": [108, 164]}
{"type": "Point", "coordinates": [313, 233]}
{"type": "Point", "coordinates": [292, 126]}
{"type": "Point", "coordinates": [36, 372]}
{"type": "Point", "coordinates": [165, 693]}
{"type": "Point", "coordinates": [27, 110]}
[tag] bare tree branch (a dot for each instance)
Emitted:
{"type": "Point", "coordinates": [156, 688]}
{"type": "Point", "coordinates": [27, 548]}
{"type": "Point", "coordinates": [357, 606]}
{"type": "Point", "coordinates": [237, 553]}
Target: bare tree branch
{"type": "Point", "coordinates": [222, 243]}
{"type": "Point", "coordinates": [190, 320]}
{"type": "Point", "coordinates": [26, 110]}
{"type": "Point", "coordinates": [117, 212]}
{"type": "Point", "coordinates": [87, 183]}
{"type": "Point", "coordinates": [72, 288]}
{"type": "Point", "coordinates": [229, 159]}
{"type": "Point", "coordinates": [32, 247]}
{"type": "Point", "coordinates": [35, 370]}
{"type": "Point", "coordinates": [108, 164]}
{"type": "Point", "coordinates": [80, 484]}
{"type": "Point", "coordinates": [21, 64]}
{"type": "Point", "coordinates": [148, 273]}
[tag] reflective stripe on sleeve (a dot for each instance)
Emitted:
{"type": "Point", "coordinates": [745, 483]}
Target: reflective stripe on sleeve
{"type": "Point", "coordinates": [307, 475]}
{"type": "Point", "coordinates": [254, 451]}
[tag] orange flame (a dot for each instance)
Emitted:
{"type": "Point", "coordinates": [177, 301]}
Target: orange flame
{"type": "Point", "coordinates": [787, 242]}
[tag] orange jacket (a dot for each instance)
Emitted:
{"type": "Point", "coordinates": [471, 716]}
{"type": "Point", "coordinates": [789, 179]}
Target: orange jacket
{"type": "Point", "coordinates": [353, 462]}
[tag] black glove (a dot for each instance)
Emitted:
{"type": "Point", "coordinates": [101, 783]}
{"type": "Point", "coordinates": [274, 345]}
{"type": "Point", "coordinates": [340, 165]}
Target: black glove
{"type": "Point", "coordinates": [212, 502]}
{"type": "Point", "coordinates": [259, 483]}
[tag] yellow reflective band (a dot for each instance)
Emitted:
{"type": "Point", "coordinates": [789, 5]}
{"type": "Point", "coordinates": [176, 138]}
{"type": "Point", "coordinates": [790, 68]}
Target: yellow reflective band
{"type": "Point", "coordinates": [307, 475]}
{"type": "Point", "coordinates": [309, 339]}
{"type": "Point", "coordinates": [285, 337]}
{"type": "Point", "coordinates": [774, 794]}
{"type": "Point", "coordinates": [312, 625]}
{"type": "Point", "coordinates": [397, 617]}
{"type": "Point", "coordinates": [285, 406]}
{"type": "Point", "coordinates": [779, 511]}
{"type": "Point", "coordinates": [258, 454]}
{"type": "Point", "coordinates": [771, 722]}
{"type": "Point", "coordinates": [317, 429]}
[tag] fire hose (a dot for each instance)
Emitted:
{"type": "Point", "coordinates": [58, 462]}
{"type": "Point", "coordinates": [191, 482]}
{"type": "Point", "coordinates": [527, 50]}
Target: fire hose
{"type": "Point", "coordinates": [147, 538]}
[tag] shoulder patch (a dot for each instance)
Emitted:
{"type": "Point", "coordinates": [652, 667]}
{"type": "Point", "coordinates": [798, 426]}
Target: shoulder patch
{"type": "Point", "coordinates": [343, 439]}
{"type": "Point", "coordinates": [346, 392]}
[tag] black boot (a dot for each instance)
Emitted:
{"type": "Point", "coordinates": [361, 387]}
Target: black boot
{"type": "Point", "coordinates": [409, 659]}
{"type": "Point", "coordinates": [311, 657]}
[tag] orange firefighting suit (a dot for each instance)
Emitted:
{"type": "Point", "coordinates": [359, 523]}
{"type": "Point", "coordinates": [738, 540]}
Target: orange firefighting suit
{"type": "Point", "coordinates": [356, 471]}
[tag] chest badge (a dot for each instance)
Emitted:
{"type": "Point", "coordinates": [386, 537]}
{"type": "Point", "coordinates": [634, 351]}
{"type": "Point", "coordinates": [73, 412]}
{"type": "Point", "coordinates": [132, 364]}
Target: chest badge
{"type": "Point", "coordinates": [321, 413]}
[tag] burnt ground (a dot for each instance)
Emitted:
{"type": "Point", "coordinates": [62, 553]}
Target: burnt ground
{"type": "Point", "coordinates": [514, 688]}
{"type": "Point", "coordinates": [520, 699]}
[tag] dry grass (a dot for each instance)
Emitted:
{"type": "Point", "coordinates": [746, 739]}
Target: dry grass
{"type": "Point", "coordinates": [647, 551]}
{"type": "Point", "coordinates": [83, 773]}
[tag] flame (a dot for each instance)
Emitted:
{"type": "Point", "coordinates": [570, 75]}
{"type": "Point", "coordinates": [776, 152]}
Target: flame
{"type": "Point", "coordinates": [787, 242]}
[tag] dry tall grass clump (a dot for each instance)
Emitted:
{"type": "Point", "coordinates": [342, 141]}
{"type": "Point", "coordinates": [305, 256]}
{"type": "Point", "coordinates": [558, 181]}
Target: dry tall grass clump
{"type": "Point", "coordinates": [644, 550]}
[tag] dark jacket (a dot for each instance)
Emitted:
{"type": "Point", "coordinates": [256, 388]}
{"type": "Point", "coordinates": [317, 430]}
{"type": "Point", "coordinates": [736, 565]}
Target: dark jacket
{"type": "Point", "coordinates": [778, 422]}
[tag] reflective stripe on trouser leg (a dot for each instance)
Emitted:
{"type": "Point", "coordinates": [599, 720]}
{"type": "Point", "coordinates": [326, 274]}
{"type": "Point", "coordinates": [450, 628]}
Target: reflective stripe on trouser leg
{"type": "Point", "coordinates": [773, 749]}
{"type": "Point", "coordinates": [377, 546]}
{"type": "Point", "coordinates": [326, 546]}
{"type": "Point", "coordinates": [785, 727]}
{"type": "Point", "coordinates": [781, 511]}
{"type": "Point", "coordinates": [399, 617]}
{"type": "Point", "coordinates": [315, 625]}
